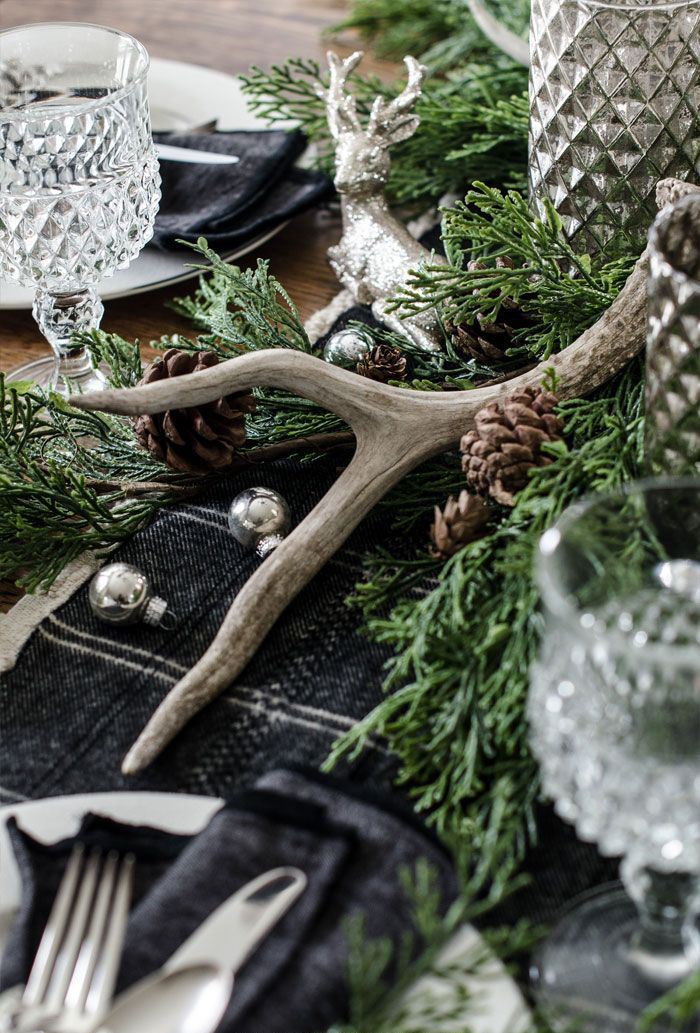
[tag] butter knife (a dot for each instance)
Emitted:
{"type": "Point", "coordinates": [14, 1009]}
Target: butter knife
{"type": "Point", "coordinates": [238, 926]}
{"type": "Point", "coordinates": [166, 152]}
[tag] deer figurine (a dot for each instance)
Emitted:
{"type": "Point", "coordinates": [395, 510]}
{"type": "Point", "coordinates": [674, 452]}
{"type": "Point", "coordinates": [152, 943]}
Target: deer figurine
{"type": "Point", "coordinates": [376, 251]}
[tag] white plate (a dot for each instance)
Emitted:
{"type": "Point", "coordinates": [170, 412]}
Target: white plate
{"type": "Point", "coordinates": [496, 1005]}
{"type": "Point", "coordinates": [182, 96]}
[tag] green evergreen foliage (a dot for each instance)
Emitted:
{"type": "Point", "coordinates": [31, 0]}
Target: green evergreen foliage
{"type": "Point", "coordinates": [442, 33]}
{"type": "Point", "coordinates": [456, 689]}
{"type": "Point", "coordinates": [473, 124]}
{"type": "Point", "coordinates": [563, 291]}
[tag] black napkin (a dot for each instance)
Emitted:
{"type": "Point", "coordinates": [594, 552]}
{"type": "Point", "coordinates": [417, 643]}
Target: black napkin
{"type": "Point", "coordinates": [233, 204]}
{"type": "Point", "coordinates": [351, 848]}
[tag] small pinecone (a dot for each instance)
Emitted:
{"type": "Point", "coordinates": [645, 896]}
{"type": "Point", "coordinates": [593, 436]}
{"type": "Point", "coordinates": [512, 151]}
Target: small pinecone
{"type": "Point", "coordinates": [198, 439]}
{"type": "Point", "coordinates": [506, 442]}
{"type": "Point", "coordinates": [461, 521]}
{"type": "Point", "coordinates": [484, 341]}
{"type": "Point", "coordinates": [382, 363]}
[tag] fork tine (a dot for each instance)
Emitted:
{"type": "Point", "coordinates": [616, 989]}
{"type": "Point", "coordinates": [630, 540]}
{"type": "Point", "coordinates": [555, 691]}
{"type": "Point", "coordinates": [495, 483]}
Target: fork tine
{"type": "Point", "coordinates": [81, 979]}
{"type": "Point", "coordinates": [107, 964]}
{"type": "Point", "coordinates": [70, 947]}
{"type": "Point", "coordinates": [54, 933]}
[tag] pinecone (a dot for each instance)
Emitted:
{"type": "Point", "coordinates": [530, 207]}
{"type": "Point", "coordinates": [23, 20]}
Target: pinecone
{"type": "Point", "coordinates": [484, 341]}
{"type": "Point", "coordinates": [198, 439]}
{"type": "Point", "coordinates": [506, 442]}
{"type": "Point", "coordinates": [382, 363]}
{"type": "Point", "coordinates": [462, 521]}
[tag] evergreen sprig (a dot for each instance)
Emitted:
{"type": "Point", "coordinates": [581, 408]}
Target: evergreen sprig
{"type": "Point", "coordinates": [52, 506]}
{"type": "Point", "coordinates": [472, 125]}
{"type": "Point", "coordinates": [442, 33]}
{"type": "Point", "coordinates": [454, 713]}
{"type": "Point", "coordinates": [563, 291]}
{"type": "Point", "coordinates": [241, 310]}
{"type": "Point", "coordinates": [382, 975]}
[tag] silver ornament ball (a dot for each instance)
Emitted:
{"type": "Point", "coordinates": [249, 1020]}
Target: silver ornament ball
{"type": "Point", "coordinates": [345, 348]}
{"type": "Point", "coordinates": [259, 519]}
{"type": "Point", "coordinates": [122, 594]}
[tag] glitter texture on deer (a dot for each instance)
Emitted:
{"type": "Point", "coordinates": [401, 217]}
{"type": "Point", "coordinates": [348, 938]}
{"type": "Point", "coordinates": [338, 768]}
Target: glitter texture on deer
{"type": "Point", "coordinates": [376, 251]}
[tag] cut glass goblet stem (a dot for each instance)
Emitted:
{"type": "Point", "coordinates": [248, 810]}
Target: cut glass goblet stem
{"type": "Point", "coordinates": [610, 957]}
{"type": "Point", "coordinates": [60, 316]}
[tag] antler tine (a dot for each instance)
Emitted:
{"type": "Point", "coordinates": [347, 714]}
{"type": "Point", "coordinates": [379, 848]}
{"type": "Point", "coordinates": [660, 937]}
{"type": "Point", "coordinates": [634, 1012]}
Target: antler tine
{"type": "Point", "coordinates": [383, 115]}
{"type": "Point", "coordinates": [340, 103]}
{"type": "Point", "coordinates": [411, 91]}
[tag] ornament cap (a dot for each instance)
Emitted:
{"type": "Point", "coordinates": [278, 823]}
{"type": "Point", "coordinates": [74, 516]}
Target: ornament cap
{"type": "Point", "coordinates": [268, 544]}
{"type": "Point", "coordinates": [157, 614]}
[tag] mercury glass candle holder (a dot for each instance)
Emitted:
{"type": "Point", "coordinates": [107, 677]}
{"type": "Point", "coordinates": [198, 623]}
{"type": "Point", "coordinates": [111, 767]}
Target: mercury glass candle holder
{"type": "Point", "coordinates": [673, 345]}
{"type": "Point", "coordinates": [614, 102]}
{"type": "Point", "coordinates": [79, 179]}
{"type": "Point", "coordinates": [614, 712]}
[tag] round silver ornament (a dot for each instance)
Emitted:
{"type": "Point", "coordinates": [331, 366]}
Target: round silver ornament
{"type": "Point", "coordinates": [122, 594]}
{"type": "Point", "coordinates": [345, 348]}
{"type": "Point", "coordinates": [259, 519]}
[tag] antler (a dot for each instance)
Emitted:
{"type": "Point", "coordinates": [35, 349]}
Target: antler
{"type": "Point", "coordinates": [385, 117]}
{"type": "Point", "coordinates": [340, 104]}
{"type": "Point", "coordinates": [396, 430]}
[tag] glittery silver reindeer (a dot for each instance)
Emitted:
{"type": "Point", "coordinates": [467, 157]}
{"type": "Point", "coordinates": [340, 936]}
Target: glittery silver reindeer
{"type": "Point", "coordinates": [376, 251]}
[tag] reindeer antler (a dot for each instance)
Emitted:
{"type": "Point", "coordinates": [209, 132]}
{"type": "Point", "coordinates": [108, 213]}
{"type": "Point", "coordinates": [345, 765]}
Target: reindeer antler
{"type": "Point", "coordinates": [396, 429]}
{"type": "Point", "coordinates": [391, 119]}
{"type": "Point", "coordinates": [340, 104]}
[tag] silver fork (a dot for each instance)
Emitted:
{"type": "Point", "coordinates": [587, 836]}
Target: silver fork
{"type": "Point", "coordinates": [72, 979]}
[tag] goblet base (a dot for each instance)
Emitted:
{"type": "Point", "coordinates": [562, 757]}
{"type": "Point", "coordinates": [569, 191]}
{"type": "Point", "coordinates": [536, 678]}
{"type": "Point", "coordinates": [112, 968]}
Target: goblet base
{"type": "Point", "coordinates": [42, 373]}
{"type": "Point", "coordinates": [590, 976]}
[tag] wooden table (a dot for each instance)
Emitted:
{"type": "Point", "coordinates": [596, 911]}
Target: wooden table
{"type": "Point", "coordinates": [229, 35]}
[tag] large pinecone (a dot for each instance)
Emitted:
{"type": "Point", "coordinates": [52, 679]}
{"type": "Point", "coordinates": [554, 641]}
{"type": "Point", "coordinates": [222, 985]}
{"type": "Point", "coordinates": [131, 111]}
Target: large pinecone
{"type": "Point", "coordinates": [506, 442]}
{"type": "Point", "coordinates": [488, 342]}
{"type": "Point", "coordinates": [460, 522]}
{"type": "Point", "coordinates": [198, 439]}
{"type": "Point", "coordinates": [382, 363]}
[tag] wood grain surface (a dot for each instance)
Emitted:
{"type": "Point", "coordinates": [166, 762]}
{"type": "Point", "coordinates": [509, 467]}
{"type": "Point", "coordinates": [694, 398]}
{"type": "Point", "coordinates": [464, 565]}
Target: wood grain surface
{"type": "Point", "coordinates": [229, 35]}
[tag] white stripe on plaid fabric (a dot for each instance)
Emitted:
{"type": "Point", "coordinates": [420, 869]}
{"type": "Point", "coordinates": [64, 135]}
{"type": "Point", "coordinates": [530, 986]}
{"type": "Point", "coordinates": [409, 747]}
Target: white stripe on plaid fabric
{"type": "Point", "coordinates": [119, 660]}
{"type": "Point", "coordinates": [136, 650]}
{"type": "Point", "coordinates": [184, 515]}
{"type": "Point", "coordinates": [294, 713]}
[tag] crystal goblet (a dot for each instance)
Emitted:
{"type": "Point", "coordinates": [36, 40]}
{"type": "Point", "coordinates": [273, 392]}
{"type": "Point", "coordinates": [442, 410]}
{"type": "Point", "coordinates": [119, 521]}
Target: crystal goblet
{"type": "Point", "coordinates": [79, 179]}
{"type": "Point", "coordinates": [614, 711]}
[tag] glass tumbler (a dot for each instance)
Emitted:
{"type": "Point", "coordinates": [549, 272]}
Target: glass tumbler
{"type": "Point", "coordinates": [79, 180]}
{"type": "Point", "coordinates": [614, 713]}
{"type": "Point", "coordinates": [614, 102]}
{"type": "Point", "coordinates": [672, 426]}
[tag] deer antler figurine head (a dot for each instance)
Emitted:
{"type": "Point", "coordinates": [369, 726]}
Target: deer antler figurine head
{"type": "Point", "coordinates": [361, 158]}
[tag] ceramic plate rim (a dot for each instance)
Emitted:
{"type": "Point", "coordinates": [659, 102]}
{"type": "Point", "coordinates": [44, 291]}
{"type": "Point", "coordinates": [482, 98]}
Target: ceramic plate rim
{"type": "Point", "coordinates": [154, 809]}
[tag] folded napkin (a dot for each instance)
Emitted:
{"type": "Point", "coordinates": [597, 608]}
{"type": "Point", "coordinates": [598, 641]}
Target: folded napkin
{"type": "Point", "coordinates": [351, 848]}
{"type": "Point", "coordinates": [233, 204]}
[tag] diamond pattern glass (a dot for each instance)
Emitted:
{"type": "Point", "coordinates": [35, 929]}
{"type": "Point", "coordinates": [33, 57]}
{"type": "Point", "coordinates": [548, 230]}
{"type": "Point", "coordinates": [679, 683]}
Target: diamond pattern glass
{"type": "Point", "coordinates": [614, 108]}
{"type": "Point", "coordinates": [79, 179]}
{"type": "Point", "coordinates": [673, 346]}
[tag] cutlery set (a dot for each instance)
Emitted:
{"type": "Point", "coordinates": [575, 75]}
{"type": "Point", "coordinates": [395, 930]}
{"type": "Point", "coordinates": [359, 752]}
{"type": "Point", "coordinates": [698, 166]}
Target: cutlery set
{"type": "Point", "coordinates": [71, 984]}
